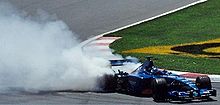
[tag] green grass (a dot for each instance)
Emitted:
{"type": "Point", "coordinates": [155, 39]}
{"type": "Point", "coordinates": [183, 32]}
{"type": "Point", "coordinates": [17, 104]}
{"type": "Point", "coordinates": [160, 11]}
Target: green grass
{"type": "Point", "coordinates": [197, 23]}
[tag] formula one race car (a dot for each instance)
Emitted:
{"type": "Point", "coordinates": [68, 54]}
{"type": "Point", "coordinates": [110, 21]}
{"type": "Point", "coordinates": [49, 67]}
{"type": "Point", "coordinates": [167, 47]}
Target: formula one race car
{"type": "Point", "coordinates": [147, 80]}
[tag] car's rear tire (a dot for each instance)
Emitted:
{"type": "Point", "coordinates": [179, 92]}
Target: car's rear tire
{"type": "Point", "coordinates": [122, 85]}
{"type": "Point", "coordinates": [203, 82]}
{"type": "Point", "coordinates": [107, 83]}
{"type": "Point", "coordinates": [159, 87]}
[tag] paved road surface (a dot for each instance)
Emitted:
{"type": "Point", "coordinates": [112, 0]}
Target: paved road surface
{"type": "Point", "coordinates": [88, 98]}
{"type": "Point", "coordinates": [92, 17]}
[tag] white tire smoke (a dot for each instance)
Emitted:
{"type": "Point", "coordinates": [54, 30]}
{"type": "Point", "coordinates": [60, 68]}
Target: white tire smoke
{"type": "Point", "coordinates": [43, 55]}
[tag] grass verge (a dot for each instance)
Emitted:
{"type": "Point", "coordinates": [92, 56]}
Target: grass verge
{"type": "Point", "coordinates": [194, 24]}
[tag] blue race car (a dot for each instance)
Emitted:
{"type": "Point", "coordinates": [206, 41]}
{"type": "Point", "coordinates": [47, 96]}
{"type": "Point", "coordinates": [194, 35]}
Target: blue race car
{"type": "Point", "coordinates": [147, 80]}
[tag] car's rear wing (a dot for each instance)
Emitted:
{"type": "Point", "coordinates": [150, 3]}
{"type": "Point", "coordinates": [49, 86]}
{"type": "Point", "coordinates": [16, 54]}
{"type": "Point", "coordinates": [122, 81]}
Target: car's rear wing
{"type": "Point", "coordinates": [121, 62]}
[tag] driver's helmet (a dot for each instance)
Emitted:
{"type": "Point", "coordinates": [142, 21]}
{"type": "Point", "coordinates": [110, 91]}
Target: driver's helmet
{"type": "Point", "coordinates": [149, 67]}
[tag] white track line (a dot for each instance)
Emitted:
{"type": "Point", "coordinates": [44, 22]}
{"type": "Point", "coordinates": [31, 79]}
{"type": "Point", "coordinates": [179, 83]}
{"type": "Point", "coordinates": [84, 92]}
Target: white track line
{"type": "Point", "coordinates": [214, 78]}
{"type": "Point", "coordinates": [100, 39]}
{"type": "Point", "coordinates": [139, 22]}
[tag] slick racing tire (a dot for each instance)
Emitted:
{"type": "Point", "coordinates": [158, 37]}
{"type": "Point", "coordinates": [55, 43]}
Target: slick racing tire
{"type": "Point", "coordinates": [107, 83]}
{"type": "Point", "coordinates": [203, 82]}
{"type": "Point", "coordinates": [159, 87]}
{"type": "Point", "coordinates": [122, 85]}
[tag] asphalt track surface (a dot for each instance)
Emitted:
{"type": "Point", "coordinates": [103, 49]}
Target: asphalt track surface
{"type": "Point", "coordinates": [89, 18]}
{"type": "Point", "coordinates": [89, 98]}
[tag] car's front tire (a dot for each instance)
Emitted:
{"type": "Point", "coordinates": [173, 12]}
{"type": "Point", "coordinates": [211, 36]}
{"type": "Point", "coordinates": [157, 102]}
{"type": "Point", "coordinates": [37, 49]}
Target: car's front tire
{"type": "Point", "coordinates": [203, 82]}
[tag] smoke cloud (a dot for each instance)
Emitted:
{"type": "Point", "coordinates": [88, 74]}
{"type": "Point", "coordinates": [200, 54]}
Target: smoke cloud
{"type": "Point", "coordinates": [43, 54]}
